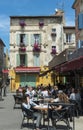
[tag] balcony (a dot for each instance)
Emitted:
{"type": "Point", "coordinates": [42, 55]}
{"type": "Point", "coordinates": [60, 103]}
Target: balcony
{"type": "Point", "coordinates": [36, 47]}
{"type": "Point", "coordinates": [22, 49]}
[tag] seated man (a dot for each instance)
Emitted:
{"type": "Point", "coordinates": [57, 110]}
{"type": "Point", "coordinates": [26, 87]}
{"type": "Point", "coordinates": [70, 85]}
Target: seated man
{"type": "Point", "coordinates": [29, 104]}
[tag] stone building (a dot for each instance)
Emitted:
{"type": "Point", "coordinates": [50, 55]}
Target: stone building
{"type": "Point", "coordinates": [2, 45]}
{"type": "Point", "coordinates": [34, 40]}
{"type": "Point", "coordinates": [58, 60]}
{"type": "Point", "coordinates": [69, 64]}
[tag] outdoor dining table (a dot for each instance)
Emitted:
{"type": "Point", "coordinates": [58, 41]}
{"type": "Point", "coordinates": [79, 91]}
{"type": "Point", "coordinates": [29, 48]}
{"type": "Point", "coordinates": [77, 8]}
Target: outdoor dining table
{"type": "Point", "coordinates": [45, 108]}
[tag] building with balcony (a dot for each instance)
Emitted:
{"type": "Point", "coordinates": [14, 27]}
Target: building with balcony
{"type": "Point", "coordinates": [68, 65]}
{"type": "Point", "coordinates": [34, 40]}
{"type": "Point", "coordinates": [56, 64]}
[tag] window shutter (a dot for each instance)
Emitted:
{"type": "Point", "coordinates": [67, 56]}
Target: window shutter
{"type": "Point", "coordinates": [80, 21]}
{"type": "Point", "coordinates": [26, 39]}
{"type": "Point", "coordinates": [36, 60]}
{"type": "Point", "coordinates": [26, 60]}
{"type": "Point", "coordinates": [32, 39]}
{"type": "Point", "coordinates": [18, 39]}
{"type": "Point", "coordinates": [64, 38]}
{"type": "Point", "coordinates": [73, 37]}
{"type": "Point", "coordinates": [17, 59]}
{"type": "Point", "coordinates": [40, 39]}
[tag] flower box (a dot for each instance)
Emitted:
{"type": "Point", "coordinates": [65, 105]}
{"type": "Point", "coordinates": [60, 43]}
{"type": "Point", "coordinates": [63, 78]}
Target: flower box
{"type": "Point", "coordinates": [41, 24]}
{"type": "Point", "coordinates": [23, 49]}
{"type": "Point", "coordinates": [53, 51]}
{"type": "Point", "coordinates": [36, 47]}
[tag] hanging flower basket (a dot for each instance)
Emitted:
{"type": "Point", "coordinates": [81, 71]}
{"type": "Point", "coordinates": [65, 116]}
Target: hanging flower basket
{"type": "Point", "coordinates": [53, 51]}
{"type": "Point", "coordinates": [41, 24]}
{"type": "Point", "coordinates": [22, 23]}
{"type": "Point", "coordinates": [36, 48]}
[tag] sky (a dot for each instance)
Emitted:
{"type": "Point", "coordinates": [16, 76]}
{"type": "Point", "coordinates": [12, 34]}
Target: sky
{"type": "Point", "coordinates": [31, 8]}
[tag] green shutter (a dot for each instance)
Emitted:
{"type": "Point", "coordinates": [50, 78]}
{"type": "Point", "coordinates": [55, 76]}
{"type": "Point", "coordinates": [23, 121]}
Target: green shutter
{"type": "Point", "coordinates": [40, 39]}
{"type": "Point", "coordinates": [36, 60]}
{"type": "Point", "coordinates": [17, 59]}
{"type": "Point", "coordinates": [26, 39]}
{"type": "Point", "coordinates": [26, 60]}
{"type": "Point", "coordinates": [32, 39]}
{"type": "Point", "coordinates": [18, 39]}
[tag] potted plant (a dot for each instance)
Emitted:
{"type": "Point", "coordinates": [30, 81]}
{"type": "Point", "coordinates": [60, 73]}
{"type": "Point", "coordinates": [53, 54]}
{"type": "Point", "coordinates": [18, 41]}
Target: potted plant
{"type": "Point", "coordinates": [22, 23]}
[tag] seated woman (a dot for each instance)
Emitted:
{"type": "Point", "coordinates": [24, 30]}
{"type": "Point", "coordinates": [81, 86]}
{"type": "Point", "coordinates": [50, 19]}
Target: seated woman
{"type": "Point", "coordinates": [29, 104]}
{"type": "Point", "coordinates": [62, 98]}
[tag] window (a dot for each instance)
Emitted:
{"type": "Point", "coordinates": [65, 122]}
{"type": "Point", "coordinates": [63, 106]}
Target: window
{"type": "Point", "coordinates": [53, 51]}
{"type": "Point", "coordinates": [41, 22]}
{"type": "Point", "coordinates": [70, 52]}
{"type": "Point", "coordinates": [35, 38]}
{"type": "Point", "coordinates": [80, 44]}
{"type": "Point", "coordinates": [22, 39]}
{"type": "Point", "coordinates": [53, 34]}
{"type": "Point", "coordinates": [54, 30]}
{"type": "Point", "coordinates": [68, 37]}
{"type": "Point", "coordinates": [21, 59]}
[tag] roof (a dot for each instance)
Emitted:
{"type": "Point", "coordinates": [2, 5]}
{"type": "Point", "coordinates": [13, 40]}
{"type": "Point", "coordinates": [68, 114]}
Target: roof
{"type": "Point", "coordinates": [1, 42]}
{"type": "Point", "coordinates": [69, 27]}
{"type": "Point", "coordinates": [74, 3]}
{"type": "Point", "coordinates": [50, 16]}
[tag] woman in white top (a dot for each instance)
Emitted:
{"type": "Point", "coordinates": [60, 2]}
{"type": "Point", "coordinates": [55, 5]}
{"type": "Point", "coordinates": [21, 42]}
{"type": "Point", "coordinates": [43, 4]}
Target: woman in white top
{"type": "Point", "coordinates": [29, 104]}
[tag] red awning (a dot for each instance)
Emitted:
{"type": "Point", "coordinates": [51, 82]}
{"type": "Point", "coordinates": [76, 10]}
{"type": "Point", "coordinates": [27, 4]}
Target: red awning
{"type": "Point", "coordinates": [5, 71]}
{"type": "Point", "coordinates": [27, 69]}
{"type": "Point", "coordinates": [70, 65]}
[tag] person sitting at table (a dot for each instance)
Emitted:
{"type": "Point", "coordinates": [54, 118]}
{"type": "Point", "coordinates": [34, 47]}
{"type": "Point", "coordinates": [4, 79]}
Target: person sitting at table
{"type": "Point", "coordinates": [62, 98]}
{"type": "Point", "coordinates": [44, 92]}
{"type": "Point", "coordinates": [29, 104]}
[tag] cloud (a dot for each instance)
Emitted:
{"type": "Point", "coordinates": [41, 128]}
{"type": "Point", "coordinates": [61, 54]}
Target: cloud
{"type": "Point", "coordinates": [4, 24]}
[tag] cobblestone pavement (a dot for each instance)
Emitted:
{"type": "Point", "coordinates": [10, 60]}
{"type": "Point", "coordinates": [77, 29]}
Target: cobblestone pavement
{"type": "Point", "coordinates": [10, 119]}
